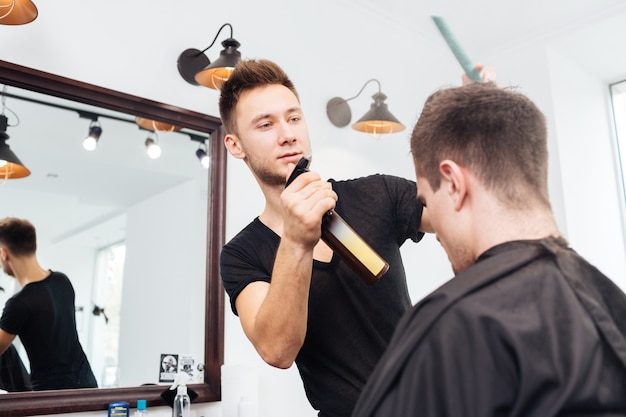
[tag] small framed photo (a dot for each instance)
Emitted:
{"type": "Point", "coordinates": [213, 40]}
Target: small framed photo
{"type": "Point", "coordinates": [168, 367]}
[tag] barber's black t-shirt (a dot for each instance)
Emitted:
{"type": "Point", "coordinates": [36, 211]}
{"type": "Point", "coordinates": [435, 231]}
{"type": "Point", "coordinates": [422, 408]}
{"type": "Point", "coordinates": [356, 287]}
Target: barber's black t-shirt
{"type": "Point", "coordinates": [350, 323]}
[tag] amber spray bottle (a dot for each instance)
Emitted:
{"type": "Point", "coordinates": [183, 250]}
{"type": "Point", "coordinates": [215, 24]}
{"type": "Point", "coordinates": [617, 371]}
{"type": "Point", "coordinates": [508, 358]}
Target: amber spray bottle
{"type": "Point", "coordinates": [343, 240]}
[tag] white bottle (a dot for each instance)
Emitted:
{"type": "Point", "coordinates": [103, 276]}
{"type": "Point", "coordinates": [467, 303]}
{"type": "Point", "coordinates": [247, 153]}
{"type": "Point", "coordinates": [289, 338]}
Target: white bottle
{"type": "Point", "coordinates": [182, 403]}
{"type": "Point", "coordinates": [141, 409]}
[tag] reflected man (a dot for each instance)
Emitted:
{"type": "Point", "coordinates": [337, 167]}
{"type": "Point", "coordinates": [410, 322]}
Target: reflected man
{"type": "Point", "coordinates": [42, 313]}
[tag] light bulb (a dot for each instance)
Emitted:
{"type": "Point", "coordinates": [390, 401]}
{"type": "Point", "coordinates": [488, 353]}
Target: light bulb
{"type": "Point", "coordinates": [91, 141]}
{"type": "Point", "coordinates": [203, 158]}
{"type": "Point", "coordinates": [152, 148]}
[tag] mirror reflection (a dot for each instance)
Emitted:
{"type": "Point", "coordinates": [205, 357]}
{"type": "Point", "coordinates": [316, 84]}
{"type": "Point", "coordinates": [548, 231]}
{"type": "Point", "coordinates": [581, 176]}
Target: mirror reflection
{"type": "Point", "coordinates": [129, 231]}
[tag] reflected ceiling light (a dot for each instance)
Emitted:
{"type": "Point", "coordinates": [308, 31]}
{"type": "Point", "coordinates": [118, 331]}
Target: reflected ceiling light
{"type": "Point", "coordinates": [377, 121]}
{"type": "Point", "coordinates": [10, 165]}
{"type": "Point", "coordinates": [194, 66]}
{"type": "Point", "coordinates": [201, 152]}
{"type": "Point", "coordinates": [150, 124]}
{"type": "Point", "coordinates": [152, 146]}
{"type": "Point", "coordinates": [17, 12]}
{"type": "Point", "coordinates": [91, 141]}
{"type": "Point", "coordinates": [203, 157]}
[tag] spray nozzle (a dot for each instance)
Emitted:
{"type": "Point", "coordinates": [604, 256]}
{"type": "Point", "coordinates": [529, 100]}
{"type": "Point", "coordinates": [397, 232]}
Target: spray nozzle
{"type": "Point", "coordinates": [180, 381]}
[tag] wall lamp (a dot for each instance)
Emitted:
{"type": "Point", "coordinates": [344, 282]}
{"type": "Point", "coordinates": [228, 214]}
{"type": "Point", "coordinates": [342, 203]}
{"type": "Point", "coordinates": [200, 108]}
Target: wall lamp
{"type": "Point", "coordinates": [152, 146]}
{"type": "Point", "coordinates": [194, 66]}
{"type": "Point", "coordinates": [10, 165]}
{"type": "Point", "coordinates": [17, 12]}
{"type": "Point", "coordinates": [377, 121]}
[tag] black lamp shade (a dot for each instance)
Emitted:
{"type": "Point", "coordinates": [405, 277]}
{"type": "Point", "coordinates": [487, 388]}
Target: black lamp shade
{"type": "Point", "coordinates": [13, 167]}
{"type": "Point", "coordinates": [338, 112]}
{"type": "Point", "coordinates": [214, 75]}
{"type": "Point", "coordinates": [378, 120]}
{"type": "Point", "coordinates": [190, 62]}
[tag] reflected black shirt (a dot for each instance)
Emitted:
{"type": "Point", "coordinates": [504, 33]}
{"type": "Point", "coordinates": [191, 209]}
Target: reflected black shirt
{"type": "Point", "coordinates": [43, 315]}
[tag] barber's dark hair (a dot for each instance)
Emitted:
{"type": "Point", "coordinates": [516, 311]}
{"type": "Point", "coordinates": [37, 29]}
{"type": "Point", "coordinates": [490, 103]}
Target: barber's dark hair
{"type": "Point", "coordinates": [18, 236]}
{"type": "Point", "coordinates": [498, 133]}
{"type": "Point", "coordinates": [247, 75]}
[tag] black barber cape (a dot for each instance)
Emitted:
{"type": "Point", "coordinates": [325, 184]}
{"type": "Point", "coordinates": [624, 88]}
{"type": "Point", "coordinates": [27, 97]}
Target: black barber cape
{"type": "Point", "coordinates": [531, 329]}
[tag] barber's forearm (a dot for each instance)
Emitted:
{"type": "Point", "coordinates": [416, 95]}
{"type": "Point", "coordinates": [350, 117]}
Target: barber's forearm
{"type": "Point", "coordinates": [425, 225]}
{"type": "Point", "coordinates": [281, 323]}
{"type": "Point", "coordinates": [5, 340]}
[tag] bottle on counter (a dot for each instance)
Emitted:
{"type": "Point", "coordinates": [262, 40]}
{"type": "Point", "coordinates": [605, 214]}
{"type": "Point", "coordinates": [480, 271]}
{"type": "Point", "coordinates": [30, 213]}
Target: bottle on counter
{"type": "Point", "coordinates": [119, 409]}
{"type": "Point", "coordinates": [182, 402]}
{"type": "Point", "coordinates": [142, 411]}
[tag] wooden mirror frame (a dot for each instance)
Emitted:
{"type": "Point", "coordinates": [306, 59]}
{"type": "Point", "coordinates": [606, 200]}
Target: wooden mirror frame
{"type": "Point", "coordinates": [80, 400]}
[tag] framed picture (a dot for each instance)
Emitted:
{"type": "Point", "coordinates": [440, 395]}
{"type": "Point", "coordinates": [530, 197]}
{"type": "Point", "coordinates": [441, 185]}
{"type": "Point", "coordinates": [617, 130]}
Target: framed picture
{"type": "Point", "coordinates": [168, 367]}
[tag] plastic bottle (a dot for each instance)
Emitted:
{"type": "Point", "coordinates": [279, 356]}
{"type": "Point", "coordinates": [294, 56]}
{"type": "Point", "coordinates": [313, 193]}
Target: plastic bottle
{"type": "Point", "coordinates": [182, 402]}
{"type": "Point", "coordinates": [119, 409]}
{"type": "Point", "coordinates": [141, 409]}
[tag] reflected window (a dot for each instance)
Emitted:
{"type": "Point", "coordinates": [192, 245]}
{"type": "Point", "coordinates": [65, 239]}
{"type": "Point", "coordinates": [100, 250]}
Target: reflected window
{"type": "Point", "coordinates": [618, 93]}
{"type": "Point", "coordinates": [105, 328]}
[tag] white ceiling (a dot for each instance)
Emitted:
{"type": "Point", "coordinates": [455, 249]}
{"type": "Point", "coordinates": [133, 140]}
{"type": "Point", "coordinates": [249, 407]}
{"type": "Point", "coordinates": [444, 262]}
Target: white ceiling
{"type": "Point", "coordinates": [71, 191]}
{"type": "Point", "coordinates": [491, 25]}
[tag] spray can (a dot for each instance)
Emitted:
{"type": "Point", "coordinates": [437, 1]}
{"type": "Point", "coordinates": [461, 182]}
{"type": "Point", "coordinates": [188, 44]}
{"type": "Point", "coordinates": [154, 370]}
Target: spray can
{"type": "Point", "coordinates": [119, 409]}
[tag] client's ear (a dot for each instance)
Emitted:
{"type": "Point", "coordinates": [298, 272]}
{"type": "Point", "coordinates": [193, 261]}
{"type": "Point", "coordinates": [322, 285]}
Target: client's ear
{"type": "Point", "coordinates": [453, 178]}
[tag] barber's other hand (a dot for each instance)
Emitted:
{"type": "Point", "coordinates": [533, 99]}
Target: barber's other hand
{"type": "Point", "coordinates": [486, 73]}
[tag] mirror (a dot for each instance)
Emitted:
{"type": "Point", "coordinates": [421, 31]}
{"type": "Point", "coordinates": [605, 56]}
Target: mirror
{"type": "Point", "coordinates": [120, 224]}
{"type": "Point", "coordinates": [64, 401]}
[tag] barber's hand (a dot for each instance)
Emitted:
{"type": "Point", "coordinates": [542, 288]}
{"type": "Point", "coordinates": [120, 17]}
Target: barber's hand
{"type": "Point", "coordinates": [304, 202]}
{"type": "Point", "coordinates": [486, 73]}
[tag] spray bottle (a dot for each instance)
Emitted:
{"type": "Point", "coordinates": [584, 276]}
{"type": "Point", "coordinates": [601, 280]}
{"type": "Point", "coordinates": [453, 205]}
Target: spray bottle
{"type": "Point", "coordinates": [182, 403]}
{"type": "Point", "coordinates": [342, 239]}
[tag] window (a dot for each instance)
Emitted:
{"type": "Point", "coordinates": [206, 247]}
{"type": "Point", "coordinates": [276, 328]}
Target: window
{"type": "Point", "coordinates": [105, 329]}
{"type": "Point", "coordinates": [618, 93]}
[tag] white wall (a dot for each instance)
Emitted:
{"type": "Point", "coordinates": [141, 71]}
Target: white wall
{"type": "Point", "coordinates": [582, 179]}
{"type": "Point", "coordinates": [165, 236]}
{"type": "Point", "coordinates": [593, 196]}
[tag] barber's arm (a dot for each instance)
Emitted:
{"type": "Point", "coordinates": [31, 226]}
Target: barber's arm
{"type": "Point", "coordinates": [274, 315]}
{"type": "Point", "coordinates": [425, 225]}
{"type": "Point", "coordinates": [5, 340]}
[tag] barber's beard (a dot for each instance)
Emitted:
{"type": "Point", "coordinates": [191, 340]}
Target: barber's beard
{"type": "Point", "coordinates": [265, 175]}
